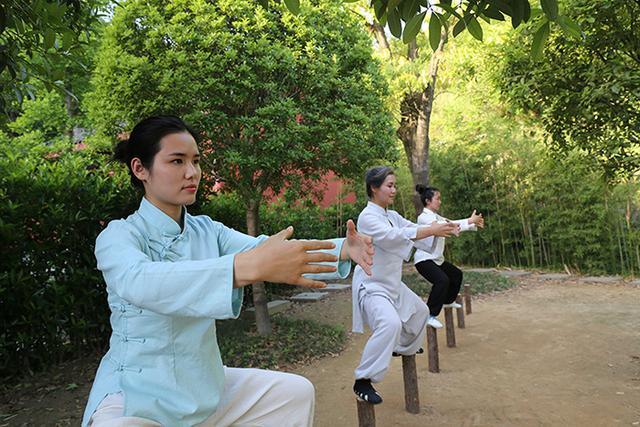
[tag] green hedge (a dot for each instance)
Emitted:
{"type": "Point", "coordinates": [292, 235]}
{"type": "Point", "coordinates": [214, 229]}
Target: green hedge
{"type": "Point", "coordinates": [292, 341]}
{"type": "Point", "coordinates": [307, 218]}
{"type": "Point", "coordinates": [53, 203]}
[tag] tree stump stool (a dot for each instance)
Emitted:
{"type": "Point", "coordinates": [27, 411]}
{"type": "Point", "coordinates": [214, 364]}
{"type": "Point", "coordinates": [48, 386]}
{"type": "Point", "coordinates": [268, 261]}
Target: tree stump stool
{"type": "Point", "coordinates": [460, 312]}
{"type": "Point", "coordinates": [432, 348]}
{"type": "Point", "coordinates": [448, 324]}
{"type": "Point", "coordinates": [410, 376]}
{"type": "Point", "coordinates": [467, 298]}
{"type": "Point", "coordinates": [366, 413]}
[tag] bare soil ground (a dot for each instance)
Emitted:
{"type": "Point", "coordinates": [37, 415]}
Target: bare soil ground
{"type": "Point", "coordinates": [547, 353]}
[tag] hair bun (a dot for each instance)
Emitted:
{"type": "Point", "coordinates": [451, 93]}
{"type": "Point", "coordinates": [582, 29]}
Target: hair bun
{"type": "Point", "coordinates": [121, 152]}
{"type": "Point", "coordinates": [420, 188]}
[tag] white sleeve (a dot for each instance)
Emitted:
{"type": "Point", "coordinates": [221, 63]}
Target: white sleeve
{"type": "Point", "coordinates": [397, 240]}
{"type": "Point", "coordinates": [465, 226]}
{"type": "Point", "coordinates": [428, 244]}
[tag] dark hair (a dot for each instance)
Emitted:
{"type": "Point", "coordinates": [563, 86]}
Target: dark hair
{"type": "Point", "coordinates": [426, 193]}
{"type": "Point", "coordinates": [144, 141]}
{"type": "Point", "coordinates": [375, 176]}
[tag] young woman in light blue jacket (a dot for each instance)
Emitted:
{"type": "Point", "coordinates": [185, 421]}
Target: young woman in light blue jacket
{"type": "Point", "coordinates": [170, 275]}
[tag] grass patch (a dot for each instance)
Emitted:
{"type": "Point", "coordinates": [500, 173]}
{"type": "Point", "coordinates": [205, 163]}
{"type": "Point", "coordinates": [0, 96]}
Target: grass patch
{"type": "Point", "coordinates": [292, 341]}
{"type": "Point", "coordinates": [481, 283]}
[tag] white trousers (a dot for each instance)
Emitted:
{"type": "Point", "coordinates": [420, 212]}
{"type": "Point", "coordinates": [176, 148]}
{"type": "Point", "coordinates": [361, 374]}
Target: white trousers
{"type": "Point", "coordinates": [251, 397]}
{"type": "Point", "coordinates": [390, 333]}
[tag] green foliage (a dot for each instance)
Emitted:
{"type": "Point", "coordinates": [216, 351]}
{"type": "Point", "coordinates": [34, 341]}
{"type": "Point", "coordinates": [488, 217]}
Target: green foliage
{"type": "Point", "coordinates": [292, 341]}
{"type": "Point", "coordinates": [53, 203]}
{"type": "Point", "coordinates": [38, 39]}
{"type": "Point", "coordinates": [280, 99]}
{"type": "Point", "coordinates": [309, 221]}
{"type": "Point", "coordinates": [45, 114]}
{"type": "Point", "coordinates": [541, 210]}
{"type": "Point", "coordinates": [463, 15]}
{"type": "Point", "coordinates": [587, 93]}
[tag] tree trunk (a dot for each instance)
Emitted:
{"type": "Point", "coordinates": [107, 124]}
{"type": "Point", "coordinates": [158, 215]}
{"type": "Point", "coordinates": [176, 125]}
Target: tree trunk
{"type": "Point", "coordinates": [71, 106]}
{"type": "Point", "coordinates": [415, 111]}
{"type": "Point", "coordinates": [381, 37]}
{"type": "Point", "coordinates": [263, 323]}
{"type": "Point", "coordinates": [414, 134]}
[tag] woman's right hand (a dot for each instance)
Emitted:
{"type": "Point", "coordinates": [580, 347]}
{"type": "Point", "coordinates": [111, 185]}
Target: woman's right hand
{"type": "Point", "coordinates": [445, 229]}
{"type": "Point", "coordinates": [476, 219]}
{"type": "Point", "coordinates": [281, 260]}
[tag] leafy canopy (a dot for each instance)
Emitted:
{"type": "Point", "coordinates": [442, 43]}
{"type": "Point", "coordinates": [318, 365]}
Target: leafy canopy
{"type": "Point", "coordinates": [38, 40]}
{"type": "Point", "coordinates": [586, 94]}
{"type": "Point", "coordinates": [280, 99]}
{"type": "Point", "coordinates": [405, 18]}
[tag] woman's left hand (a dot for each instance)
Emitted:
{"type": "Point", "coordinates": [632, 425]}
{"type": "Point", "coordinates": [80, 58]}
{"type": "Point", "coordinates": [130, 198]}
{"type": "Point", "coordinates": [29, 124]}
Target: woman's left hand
{"type": "Point", "coordinates": [358, 247]}
{"type": "Point", "coordinates": [476, 219]}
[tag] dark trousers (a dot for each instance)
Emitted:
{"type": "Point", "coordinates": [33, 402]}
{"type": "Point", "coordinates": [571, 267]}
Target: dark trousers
{"type": "Point", "coordinates": [446, 280]}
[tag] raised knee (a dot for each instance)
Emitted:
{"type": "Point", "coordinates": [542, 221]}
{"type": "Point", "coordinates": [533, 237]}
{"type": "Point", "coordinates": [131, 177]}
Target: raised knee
{"type": "Point", "coordinates": [444, 282]}
{"type": "Point", "coordinates": [391, 325]}
{"type": "Point", "coordinates": [300, 387]}
{"type": "Point", "coordinates": [423, 309]}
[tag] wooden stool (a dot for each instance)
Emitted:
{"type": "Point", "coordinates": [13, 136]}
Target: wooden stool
{"type": "Point", "coordinates": [432, 348]}
{"type": "Point", "coordinates": [460, 312]}
{"type": "Point", "coordinates": [366, 413]}
{"type": "Point", "coordinates": [410, 375]}
{"type": "Point", "coordinates": [448, 324]}
{"type": "Point", "coordinates": [467, 298]}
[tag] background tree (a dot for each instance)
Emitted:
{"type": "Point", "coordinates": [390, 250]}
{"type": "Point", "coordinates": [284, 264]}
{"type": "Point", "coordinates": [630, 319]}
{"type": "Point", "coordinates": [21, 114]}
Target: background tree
{"type": "Point", "coordinates": [404, 18]}
{"type": "Point", "coordinates": [280, 99]}
{"type": "Point", "coordinates": [414, 69]}
{"type": "Point", "coordinates": [39, 40]}
{"type": "Point", "coordinates": [586, 94]}
{"type": "Point", "coordinates": [542, 210]}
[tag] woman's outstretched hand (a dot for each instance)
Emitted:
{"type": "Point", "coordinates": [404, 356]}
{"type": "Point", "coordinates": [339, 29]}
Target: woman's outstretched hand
{"type": "Point", "coordinates": [476, 219]}
{"type": "Point", "coordinates": [445, 229]}
{"type": "Point", "coordinates": [281, 260]}
{"type": "Point", "coordinates": [358, 247]}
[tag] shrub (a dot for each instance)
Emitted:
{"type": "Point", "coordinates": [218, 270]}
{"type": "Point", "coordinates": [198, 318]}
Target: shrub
{"type": "Point", "coordinates": [292, 341]}
{"type": "Point", "coordinates": [53, 203]}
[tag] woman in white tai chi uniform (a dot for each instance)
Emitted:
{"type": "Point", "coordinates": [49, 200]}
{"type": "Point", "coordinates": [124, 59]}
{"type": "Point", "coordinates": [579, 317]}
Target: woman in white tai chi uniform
{"type": "Point", "coordinates": [445, 277]}
{"type": "Point", "coordinates": [397, 317]}
{"type": "Point", "coordinates": [170, 275]}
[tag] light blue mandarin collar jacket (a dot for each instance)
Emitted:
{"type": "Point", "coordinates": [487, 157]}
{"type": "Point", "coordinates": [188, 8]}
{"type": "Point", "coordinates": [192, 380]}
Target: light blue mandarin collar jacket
{"type": "Point", "coordinates": [166, 287]}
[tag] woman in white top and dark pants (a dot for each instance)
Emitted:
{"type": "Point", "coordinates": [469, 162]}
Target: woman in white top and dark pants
{"type": "Point", "coordinates": [445, 277]}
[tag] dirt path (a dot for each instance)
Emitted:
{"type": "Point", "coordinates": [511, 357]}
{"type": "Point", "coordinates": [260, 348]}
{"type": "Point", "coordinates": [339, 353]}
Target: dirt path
{"type": "Point", "coordinates": [548, 353]}
{"type": "Point", "coordinates": [545, 354]}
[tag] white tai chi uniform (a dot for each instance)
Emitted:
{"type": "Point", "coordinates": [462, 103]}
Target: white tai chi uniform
{"type": "Point", "coordinates": [396, 316]}
{"type": "Point", "coordinates": [436, 244]}
{"type": "Point", "coordinates": [251, 397]}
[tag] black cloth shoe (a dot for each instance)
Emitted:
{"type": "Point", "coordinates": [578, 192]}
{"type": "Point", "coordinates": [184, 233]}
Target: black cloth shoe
{"type": "Point", "coordinates": [365, 391]}
{"type": "Point", "coordinates": [420, 351]}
